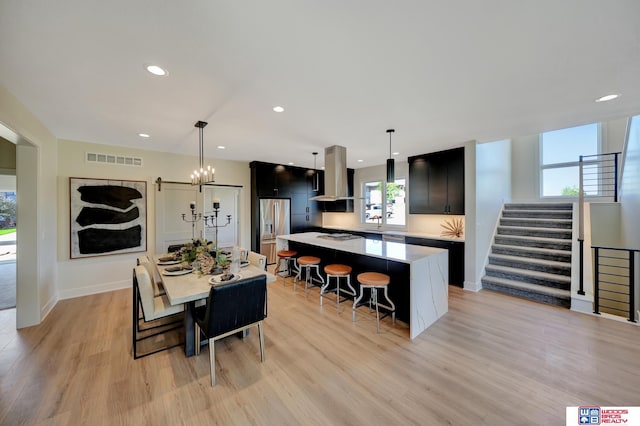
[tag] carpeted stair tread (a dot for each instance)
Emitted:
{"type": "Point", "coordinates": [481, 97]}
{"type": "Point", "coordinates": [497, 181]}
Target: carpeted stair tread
{"type": "Point", "coordinates": [551, 214]}
{"type": "Point", "coordinates": [532, 252]}
{"type": "Point", "coordinates": [541, 262]}
{"type": "Point", "coordinates": [537, 222]}
{"type": "Point", "coordinates": [531, 264]}
{"type": "Point", "coordinates": [526, 275]}
{"type": "Point", "coordinates": [538, 206]}
{"type": "Point", "coordinates": [535, 232]}
{"type": "Point", "coordinates": [537, 242]}
{"type": "Point", "coordinates": [550, 291]}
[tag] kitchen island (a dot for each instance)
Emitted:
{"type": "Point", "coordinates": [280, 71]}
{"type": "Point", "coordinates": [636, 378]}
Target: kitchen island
{"type": "Point", "coordinates": [419, 275]}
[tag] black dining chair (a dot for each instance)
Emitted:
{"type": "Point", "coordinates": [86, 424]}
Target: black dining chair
{"type": "Point", "coordinates": [231, 308]}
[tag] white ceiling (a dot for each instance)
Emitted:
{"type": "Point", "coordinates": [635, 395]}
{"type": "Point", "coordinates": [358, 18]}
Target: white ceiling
{"type": "Point", "coordinates": [439, 72]}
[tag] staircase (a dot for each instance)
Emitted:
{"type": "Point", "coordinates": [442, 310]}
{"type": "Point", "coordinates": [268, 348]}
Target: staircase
{"type": "Point", "coordinates": [531, 255]}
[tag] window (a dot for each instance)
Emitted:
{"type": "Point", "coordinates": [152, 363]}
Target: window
{"type": "Point", "coordinates": [388, 209]}
{"type": "Point", "coordinates": [560, 154]}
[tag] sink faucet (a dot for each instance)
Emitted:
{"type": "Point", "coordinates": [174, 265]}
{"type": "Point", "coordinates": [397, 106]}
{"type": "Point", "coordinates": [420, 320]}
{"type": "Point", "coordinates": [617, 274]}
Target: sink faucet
{"type": "Point", "coordinates": [378, 218]}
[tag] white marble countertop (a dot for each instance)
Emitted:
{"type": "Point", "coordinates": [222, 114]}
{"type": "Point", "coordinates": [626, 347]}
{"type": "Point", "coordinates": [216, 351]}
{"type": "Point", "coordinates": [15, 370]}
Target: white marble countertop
{"type": "Point", "coordinates": [399, 252]}
{"type": "Point", "coordinates": [392, 232]}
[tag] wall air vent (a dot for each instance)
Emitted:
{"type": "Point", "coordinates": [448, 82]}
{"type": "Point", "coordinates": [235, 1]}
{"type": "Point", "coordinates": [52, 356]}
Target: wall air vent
{"type": "Point", "coordinates": [114, 159]}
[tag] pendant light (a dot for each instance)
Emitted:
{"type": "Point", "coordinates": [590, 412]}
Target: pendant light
{"type": "Point", "coordinates": [315, 182]}
{"type": "Point", "coordinates": [390, 161]}
{"type": "Point", "coordinates": [200, 175]}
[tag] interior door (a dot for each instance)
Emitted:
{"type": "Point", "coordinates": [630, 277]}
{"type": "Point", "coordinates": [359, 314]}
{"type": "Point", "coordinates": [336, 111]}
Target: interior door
{"type": "Point", "coordinates": [171, 203]}
{"type": "Point", "coordinates": [228, 233]}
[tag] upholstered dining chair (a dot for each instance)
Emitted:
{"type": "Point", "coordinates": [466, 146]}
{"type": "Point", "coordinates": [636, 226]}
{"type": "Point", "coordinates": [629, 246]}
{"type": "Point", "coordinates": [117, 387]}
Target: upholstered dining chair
{"type": "Point", "coordinates": [257, 259]}
{"type": "Point", "coordinates": [231, 308]}
{"type": "Point", "coordinates": [156, 281]}
{"type": "Point", "coordinates": [158, 315]}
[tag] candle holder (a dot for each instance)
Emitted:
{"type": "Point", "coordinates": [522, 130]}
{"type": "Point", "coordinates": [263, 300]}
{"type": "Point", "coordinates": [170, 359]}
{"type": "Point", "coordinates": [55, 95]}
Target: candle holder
{"type": "Point", "coordinates": [195, 217]}
{"type": "Point", "coordinates": [211, 221]}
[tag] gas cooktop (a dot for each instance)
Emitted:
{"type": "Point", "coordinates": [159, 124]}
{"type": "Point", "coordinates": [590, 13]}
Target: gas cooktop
{"type": "Point", "coordinates": [339, 237]}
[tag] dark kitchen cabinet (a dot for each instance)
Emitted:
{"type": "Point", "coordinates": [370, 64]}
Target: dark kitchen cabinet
{"type": "Point", "coordinates": [273, 180]}
{"type": "Point", "coordinates": [270, 180]}
{"type": "Point", "coordinates": [436, 183]}
{"type": "Point", "coordinates": [456, 256]}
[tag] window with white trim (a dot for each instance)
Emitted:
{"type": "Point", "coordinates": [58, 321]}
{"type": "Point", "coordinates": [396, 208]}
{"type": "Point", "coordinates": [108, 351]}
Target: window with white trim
{"type": "Point", "coordinates": [384, 202]}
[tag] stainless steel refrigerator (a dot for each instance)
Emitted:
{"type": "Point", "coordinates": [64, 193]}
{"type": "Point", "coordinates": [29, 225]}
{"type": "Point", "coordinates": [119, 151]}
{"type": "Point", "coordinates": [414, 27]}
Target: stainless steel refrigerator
{"type": "Point", "coordinates": [275, 219]}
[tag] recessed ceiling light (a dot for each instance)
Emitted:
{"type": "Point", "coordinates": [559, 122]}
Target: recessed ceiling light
{"type": "Point", "coordinates": [360, 161]}
{"type": "Point", "coordinates": [143, 135]}
{"type": "Point", "coordinates": [396, 153]}
{"type": "Point", "coordinates": [607, 98]}
{"type": "Point", "coordinates": [222, 147]}
{"type": "Point", "coordinates": [278, 109]}
{"type": "Point", "coordinates": [156, 70]}
{"type": "Point", "coordinates": [290, 163]}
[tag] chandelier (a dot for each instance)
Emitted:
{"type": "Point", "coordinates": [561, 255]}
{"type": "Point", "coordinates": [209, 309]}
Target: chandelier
{"type": "Point", "coordinates": [202, 175]}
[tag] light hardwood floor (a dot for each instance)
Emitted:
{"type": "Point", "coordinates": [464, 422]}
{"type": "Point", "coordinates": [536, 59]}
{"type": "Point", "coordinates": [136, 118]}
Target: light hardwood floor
{"type": "Point", "coordinates": [491, 360]}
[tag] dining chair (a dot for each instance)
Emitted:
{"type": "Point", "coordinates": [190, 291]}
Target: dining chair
{"type": "Point", "coordinates": [156, 281]}
{"type": "Point", "coordinates": [257, 259]}
{"type": "Point", "coordinates": [158, 316]}
{"type": "Point", "coordinates": [231, 308]}
{"type": "Point", "coordinates": [175, 247]}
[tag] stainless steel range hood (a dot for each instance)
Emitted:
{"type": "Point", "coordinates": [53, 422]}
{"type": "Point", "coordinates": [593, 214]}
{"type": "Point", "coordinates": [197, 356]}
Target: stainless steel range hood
{"type": "Point", "coordinates": [335, 175]}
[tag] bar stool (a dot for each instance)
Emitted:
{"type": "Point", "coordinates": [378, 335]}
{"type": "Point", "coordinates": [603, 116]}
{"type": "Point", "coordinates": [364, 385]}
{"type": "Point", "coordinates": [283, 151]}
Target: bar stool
{"type": "Point", "coordinates": [308, 263]}
{"type": "Point", "coordinates": [375, 281]}
{"type": "Point", "coordinates": [287, 256]}
{"type": "Point", "coordinates": [337, 271]}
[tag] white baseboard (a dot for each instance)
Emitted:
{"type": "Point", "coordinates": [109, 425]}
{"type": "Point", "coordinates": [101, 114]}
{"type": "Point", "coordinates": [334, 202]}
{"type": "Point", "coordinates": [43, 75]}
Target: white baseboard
{"type": "Point", "coordinates": [86, 291]}
{"type": "Point", "coordinates": [473, 286]}
{"type": "Point", "coordinates": [46, 309]}
{"type": "Point", "coordinates": [582, 304]}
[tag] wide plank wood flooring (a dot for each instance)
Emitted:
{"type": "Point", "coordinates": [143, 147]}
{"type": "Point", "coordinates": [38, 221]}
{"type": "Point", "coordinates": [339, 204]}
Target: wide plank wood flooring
{"type": "Point", "coordinates": [492, 360]}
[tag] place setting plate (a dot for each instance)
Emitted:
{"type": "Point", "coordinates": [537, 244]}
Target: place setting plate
{"type": "Point", "coordinates": [224, 279]}
{"type": "Point", "coordinates": [177, 270]}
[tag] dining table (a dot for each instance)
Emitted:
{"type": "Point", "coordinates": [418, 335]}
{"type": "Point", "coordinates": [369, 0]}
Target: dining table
{"type": "Point", "coordinates": [190, 288]}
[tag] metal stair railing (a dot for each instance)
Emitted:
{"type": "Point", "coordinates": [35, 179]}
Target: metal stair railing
{"type": "Point", "coordinates": [614, 280]}
{"type": "Point", "coordinates": [598, 181]}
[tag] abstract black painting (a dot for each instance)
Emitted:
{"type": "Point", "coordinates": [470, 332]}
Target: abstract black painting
{"type": "Point", "coordinates": [107, 216]}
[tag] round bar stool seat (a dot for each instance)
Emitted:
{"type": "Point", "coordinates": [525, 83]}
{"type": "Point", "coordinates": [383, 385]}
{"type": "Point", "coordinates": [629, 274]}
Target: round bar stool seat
{"type": "Point", "coordinates": [375, 281]}
{"type": "Point", "coordinates": [337, 270]}
{"type": "Point", "coordinates": [287, 256]}
{"type": "Point", "coordinates": [307, 263]}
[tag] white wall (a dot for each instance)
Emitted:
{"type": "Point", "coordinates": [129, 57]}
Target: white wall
{"type": "Point", "coordinates": [104, 273]}
{"type": "Point", "coordinates": [36, 171]}
{"type": "Point", "coordinates": [630, 189]}
{"type": "Point", "coordinates": [470, 250]}
{"type": "Point", "coordinates": [525, 168]}
{"type": "Point", "coordinates": [493, 188]}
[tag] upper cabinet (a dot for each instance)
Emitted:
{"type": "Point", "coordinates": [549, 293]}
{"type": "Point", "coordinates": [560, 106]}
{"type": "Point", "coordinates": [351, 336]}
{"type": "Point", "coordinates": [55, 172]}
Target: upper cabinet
{"type": "Point", "coordinates": [436, 183]}
{"type": "Point", "coordinates": [270, 180]}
